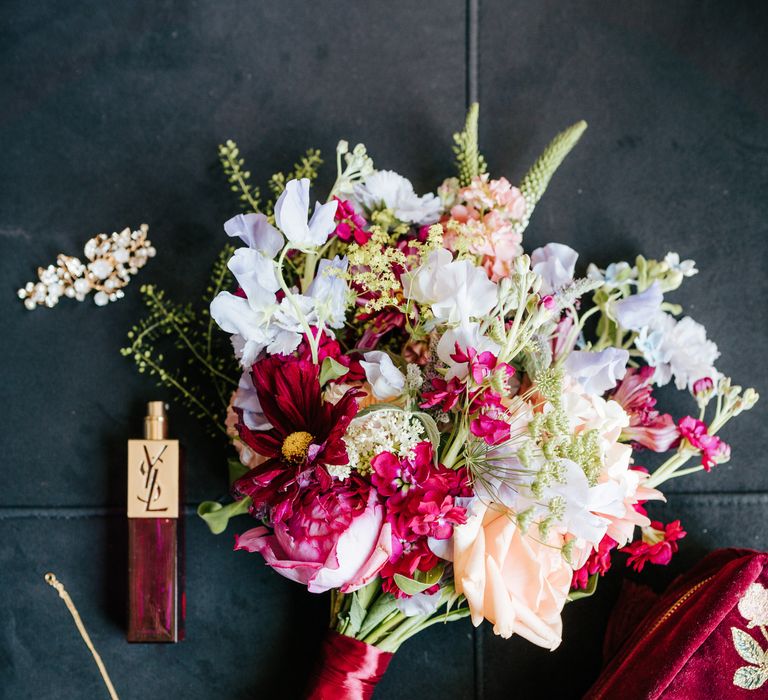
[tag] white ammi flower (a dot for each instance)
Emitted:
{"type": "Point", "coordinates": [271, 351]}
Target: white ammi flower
{"type": "Point", "coordinates": [387, 189]}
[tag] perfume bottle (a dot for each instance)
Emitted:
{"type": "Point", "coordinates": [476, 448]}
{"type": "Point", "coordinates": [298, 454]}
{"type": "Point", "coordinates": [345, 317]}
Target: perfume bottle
{"type": "Point", "coordinates": [155, 544]}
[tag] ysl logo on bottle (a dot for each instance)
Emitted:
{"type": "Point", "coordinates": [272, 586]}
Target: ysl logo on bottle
{"type": "Point", "coordinates": [150, 471]}
{"type": "Point", "coordinates": [153, 479]}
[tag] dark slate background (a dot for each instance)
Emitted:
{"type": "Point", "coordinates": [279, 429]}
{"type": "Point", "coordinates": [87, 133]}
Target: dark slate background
{"type": "Point", "coordinates": [110, 114]}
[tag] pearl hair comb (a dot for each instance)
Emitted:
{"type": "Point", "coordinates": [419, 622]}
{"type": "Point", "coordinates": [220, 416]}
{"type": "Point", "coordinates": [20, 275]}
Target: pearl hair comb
{"type": "Point", "coordinates": [111, 262]}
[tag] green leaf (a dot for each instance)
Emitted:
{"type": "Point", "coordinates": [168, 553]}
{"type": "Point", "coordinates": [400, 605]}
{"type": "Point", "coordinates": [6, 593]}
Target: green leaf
{"type": "Point", "coordinates": [356, 616]}
{"type": "Point", "coordinates": [421, 581]}
{"type": "Point", "coordinates": [330, 369]}
{"type": "Point", "coordinates": [750, 677]}
{"type": "Point", "coordinates": [236, 470]}
{"type": "Point", "coordinates": [747, 647]}
{"type": "Point", "coordinates": [586, 592]}
{"type": "Point", "coordinates": [217, 516]}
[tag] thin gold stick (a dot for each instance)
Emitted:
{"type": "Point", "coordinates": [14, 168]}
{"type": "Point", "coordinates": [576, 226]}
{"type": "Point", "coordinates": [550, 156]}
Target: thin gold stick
{"type": "Point", "coordinates": [55, 583]}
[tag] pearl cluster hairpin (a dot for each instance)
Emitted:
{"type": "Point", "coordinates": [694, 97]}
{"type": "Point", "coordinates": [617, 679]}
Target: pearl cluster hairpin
{"type": "Point", "coordinates": [112, 261]}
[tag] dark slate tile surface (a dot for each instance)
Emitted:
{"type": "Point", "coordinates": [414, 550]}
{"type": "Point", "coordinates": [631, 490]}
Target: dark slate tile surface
{"type": "Point", "coordinates": [110, 115]}
{"type": "Point", "coordinates": [675, 158]}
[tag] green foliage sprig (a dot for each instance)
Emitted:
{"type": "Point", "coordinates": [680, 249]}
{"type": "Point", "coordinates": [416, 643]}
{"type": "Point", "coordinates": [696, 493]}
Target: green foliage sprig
{"type": "Point", "coordinates": [535, 182]}
{"type": "Point", "coordinates": [183, 349]}
{"type": "Point", "coordinates": [469, 161]}
{"type": "Point", "coordinates": [239, 179]}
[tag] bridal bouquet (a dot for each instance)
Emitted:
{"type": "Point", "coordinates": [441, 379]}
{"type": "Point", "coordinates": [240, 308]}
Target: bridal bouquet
{"type": "Point", "coordinates": [433, 423]}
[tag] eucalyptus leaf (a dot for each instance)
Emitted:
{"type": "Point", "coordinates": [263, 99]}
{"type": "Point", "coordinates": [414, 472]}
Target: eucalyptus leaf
{"type": "Point", "coordinates": [217, 515]}
{"type": "Point", "coordinates": [330, 369]}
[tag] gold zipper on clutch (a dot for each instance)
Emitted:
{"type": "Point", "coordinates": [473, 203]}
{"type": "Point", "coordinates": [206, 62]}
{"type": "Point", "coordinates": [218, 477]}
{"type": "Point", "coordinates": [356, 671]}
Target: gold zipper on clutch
{"type": "Point", "coordinates": [659, 621]}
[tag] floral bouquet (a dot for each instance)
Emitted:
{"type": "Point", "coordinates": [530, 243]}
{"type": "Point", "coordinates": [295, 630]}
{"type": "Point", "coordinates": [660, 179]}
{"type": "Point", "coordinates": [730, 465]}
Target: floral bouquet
{"type": "Point", "coordinates": [433, 424]}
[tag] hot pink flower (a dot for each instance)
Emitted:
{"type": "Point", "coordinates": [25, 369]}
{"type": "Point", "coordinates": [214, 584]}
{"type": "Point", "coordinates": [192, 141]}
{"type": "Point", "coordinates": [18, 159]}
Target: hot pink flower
{"type": "Point", "coordinates": [443, 394]}
{"type": "Point", "coordinates": [658, 545]}
{"type": "Point", "coordinates": [350, 224]}
{"type": "Point", "coordinates": [492, 430]}
{"type": "Point", "coordinates": [481, 365]}
{"type": "Point", "coordinates": [713, 449]}
{"type": "Point", "coordinates": [647, 427]}
{"type": "Point", "coordinates": [702, 386]}
{"type": "Point", "coordinates": [598, 563]}
{"type": "Point", "coordinates": [420, 503]}
{"type": "Point", "coordinates": [334, 539]}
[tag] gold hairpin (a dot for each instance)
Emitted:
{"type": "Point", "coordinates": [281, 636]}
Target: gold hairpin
{"type": "Point", "coordinates": [111, 262]}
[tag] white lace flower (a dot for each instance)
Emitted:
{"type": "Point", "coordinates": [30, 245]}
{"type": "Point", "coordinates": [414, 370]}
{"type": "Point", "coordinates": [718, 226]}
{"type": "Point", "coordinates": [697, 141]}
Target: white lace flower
{"type": "Point", "coordinates": [388, 189]}
{"type": "Point", "coordinates": [392, 431]}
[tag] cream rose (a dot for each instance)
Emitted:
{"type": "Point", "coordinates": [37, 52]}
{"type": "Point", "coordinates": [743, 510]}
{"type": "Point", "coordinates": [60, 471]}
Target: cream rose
{"type": "Point", "coordinates": [509, 578]}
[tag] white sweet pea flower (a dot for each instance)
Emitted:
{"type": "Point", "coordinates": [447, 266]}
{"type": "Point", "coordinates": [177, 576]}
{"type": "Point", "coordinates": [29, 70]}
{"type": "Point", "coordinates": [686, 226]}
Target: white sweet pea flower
{"type": "Point", "coordinates": [597, 372]}
{"type": "Point", "coordinates": [687, 268]}
{"type": "Point", "coordinates": [247, 400]}
{"type": "Point", "coordinates": [257, 276]}
{"type": "Point", "coordinates": [466, 336]}
{"type": "Point", "coordinates": [639, 310]}
{"type": "Point", "coordinates": [555, 263]}
{"type": "Point", "coordinates": [386, 380]}
{"type": "Point", "coordinates": [291, 211]}
{"type": "Point", "coordinates": [457, 290]}
{"type": "Point", "coordinates": [256, 232]}
{"type": "Point", "coordinates": [388, 189]}
{"type": "Point", "coordinates": [330, 292]}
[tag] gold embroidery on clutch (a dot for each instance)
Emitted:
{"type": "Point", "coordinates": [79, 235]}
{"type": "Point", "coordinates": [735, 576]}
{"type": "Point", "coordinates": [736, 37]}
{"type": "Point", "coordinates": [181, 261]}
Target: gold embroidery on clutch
{"type": "Point", "coordinates": [753, 606]}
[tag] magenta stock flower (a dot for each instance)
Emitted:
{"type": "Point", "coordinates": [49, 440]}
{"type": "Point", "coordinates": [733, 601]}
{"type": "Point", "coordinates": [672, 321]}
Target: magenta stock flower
{"type": "Point", "coordinates": [713, 449]}
{"type": "Point", "coordinates": [599, 562]}
{"type": "Point", "coordinates": [445, 394]}
{"type": "Point", "coordinates": [306, 434]}
{"type": "Point", "coordinates": [657, 546]}
{"type": "Point", "coordinates": [351, 225]}
{"type": "Point", "coordinates": [420, 503]}
{"type": "Point", "coordinates": [493, 430]}
{"type": "Point", "coordinates": [481, 364]}
{"type": "Point", "coordinates": [647, 427]}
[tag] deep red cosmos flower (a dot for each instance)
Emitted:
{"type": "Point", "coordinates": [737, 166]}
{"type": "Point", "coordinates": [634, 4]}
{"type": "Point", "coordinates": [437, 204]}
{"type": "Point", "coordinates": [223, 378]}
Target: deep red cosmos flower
{"type": "Point", "coordinates": [306, 434]}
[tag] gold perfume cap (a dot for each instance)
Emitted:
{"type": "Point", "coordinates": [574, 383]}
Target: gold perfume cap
{"type": "Point", "coordinates": [156, 421]}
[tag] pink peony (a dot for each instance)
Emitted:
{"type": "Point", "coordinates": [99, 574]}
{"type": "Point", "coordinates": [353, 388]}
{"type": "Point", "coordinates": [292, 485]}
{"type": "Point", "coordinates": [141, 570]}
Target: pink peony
{"type": "Point", "coordinates": [334, 539]}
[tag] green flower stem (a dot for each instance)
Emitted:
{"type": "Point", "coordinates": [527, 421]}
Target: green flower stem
{"type": "Point", "coordinates": [394, 618]}
{"type": "Point", "coordinates": [457, 442]}
{"type": "Point", "coordinates": [666, 470]}
{"type": "Point", "coordinates": [313, 342]}
{"type": "Point", "coordinates": [188, 343]}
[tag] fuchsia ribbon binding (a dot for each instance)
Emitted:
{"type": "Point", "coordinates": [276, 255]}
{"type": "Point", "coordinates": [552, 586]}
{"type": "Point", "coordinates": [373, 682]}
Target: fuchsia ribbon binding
{"type": "Point", "coordinates": [348, 669]}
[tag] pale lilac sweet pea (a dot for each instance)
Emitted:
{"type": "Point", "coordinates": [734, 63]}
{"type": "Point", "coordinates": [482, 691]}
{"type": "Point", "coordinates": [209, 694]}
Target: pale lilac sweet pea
{"type": "Point", "coordinates": [639, 310]}
{"type": "Point", "coordinates": [292, 210]}
{"type": "Point", "coordinates": [555, 263]}
{"type": "Point", "coordinates": [597, 372]}
{"type": "Point", "coordinates": [246, 399]}
{"type": "Point", "coordinates": [256, 232]}
{"type": "Point", "coordinates": [330, 291]}
{"type": "Point", "coordinates": [386, 380]}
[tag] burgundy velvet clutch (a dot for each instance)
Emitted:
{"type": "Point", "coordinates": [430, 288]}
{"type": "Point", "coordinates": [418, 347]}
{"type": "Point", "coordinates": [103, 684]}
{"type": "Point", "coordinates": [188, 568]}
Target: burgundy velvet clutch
{"type": "Point", "coordinates": [705, 637]}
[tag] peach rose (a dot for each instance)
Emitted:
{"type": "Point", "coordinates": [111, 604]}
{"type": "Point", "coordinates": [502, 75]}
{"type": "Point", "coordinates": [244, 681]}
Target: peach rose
{"type": "Point", "coordinates": [509, 578]}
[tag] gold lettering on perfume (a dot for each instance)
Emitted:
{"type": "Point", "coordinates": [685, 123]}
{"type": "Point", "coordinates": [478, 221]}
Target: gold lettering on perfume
{"type": "Point", "coordinates": [153, 479]}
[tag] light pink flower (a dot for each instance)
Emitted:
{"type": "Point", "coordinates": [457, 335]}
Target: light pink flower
{"type": "Point", "coordinates": [329, 542]}
{"type": "Point", "coordinates": [515, 581]}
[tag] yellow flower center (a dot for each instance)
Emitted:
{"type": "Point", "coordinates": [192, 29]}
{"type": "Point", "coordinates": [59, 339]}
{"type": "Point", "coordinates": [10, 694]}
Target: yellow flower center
{"type": "Point", "coordinates": [296, 446]}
